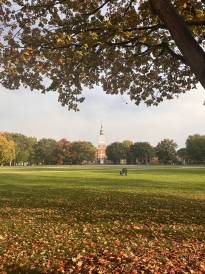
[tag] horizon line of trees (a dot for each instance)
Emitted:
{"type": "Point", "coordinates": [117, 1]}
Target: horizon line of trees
{"type": "Point", "coordinates": [16, 148]}
{"type": "Point", "coordinates": [142, 152]}
{"type": "Point", "coordinates": [164, 153]}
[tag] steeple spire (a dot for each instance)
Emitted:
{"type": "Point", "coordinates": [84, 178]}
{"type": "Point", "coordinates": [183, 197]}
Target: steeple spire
{"type": "Point", "coordinates": [101, 130]}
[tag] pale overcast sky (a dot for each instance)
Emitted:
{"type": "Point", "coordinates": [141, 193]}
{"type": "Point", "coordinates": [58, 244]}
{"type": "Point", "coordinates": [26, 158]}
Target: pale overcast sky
{"type": "Point", "coordinates": [41, 115]}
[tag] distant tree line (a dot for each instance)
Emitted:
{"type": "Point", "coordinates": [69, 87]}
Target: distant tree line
{"type": "Point", "coordinates": [16, 148]}
{"type": "Point", "coordinates": [164, 153]}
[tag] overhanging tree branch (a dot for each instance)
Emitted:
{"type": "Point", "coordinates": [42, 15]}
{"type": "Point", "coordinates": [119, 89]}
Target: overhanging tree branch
{"type": "Point", "coordinates": [164, 46]}
{"type": "Point", "coordinates": [191, 50]}
{"type": "Point", "coordinates": [99, 8]}
{"type": "Point", "coordinates": [108, 42]}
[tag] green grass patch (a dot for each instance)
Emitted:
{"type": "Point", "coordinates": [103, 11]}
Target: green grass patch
{"type": "Point", "coordinates": [89, 219]}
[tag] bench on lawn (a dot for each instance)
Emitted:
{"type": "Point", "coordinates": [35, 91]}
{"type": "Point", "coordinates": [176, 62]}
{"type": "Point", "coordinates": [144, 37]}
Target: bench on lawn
{"type": "Point", "coordinates": [123, 171]}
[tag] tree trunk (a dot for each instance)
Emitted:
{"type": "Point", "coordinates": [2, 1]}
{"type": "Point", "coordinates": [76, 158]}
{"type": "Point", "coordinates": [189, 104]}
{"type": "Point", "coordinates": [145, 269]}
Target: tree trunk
{"type": "Point", "coordinates": [190, 49]}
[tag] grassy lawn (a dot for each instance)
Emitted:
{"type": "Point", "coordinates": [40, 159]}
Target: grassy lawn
{"type": "Point", "coordinates": [89, 219]}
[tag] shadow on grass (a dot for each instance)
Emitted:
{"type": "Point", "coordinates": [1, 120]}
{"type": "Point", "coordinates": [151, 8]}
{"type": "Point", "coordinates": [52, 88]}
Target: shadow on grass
{"type": "Point", "coordinates": [121, 207]}
{"type": "Point", "coordinates": [105, 197]}
{"type": "Point", "coordinates": [95, 201]}
{"type": "Point", "coordinates": [20, 270]}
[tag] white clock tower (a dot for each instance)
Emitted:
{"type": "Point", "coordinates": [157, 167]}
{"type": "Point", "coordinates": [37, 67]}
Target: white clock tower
{"type": "Point", "coordinates": [101, 150]}
{"type": "Point", "coordinates": [102, 136]}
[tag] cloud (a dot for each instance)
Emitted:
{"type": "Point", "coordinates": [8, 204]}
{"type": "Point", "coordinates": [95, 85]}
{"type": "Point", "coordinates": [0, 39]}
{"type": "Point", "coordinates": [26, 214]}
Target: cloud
{"type": "Point", "coordinates": [41, 115]}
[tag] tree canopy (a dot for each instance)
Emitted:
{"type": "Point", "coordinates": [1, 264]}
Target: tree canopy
{"type": "Point", "coordinates": [182, 153]}
{"type": "Point", "coordinates": [24, 146]}
{"type": "Point", "coordinates": [143, 151]}
{"type": "Point", "coordinates": [116, 151]}
{"type": "Point", "coordinates": [46, 150]}
{"type": "Point", "coordinates": [166, 151]}
{"type": "Point", "coordinates": [64, 151]}
{"type": "Point", "coordinates": [7, 150]}
{"type": "Point", "coordinates": [150, 50]}
{"type": "Point", "coordinates": [127, 153]}
{"type": "Point", "coordinates": [82, 151]}
{"type": "Point", "coordinates": [195, 146]}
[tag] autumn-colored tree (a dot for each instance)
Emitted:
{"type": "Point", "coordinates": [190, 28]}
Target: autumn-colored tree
{"type": "Point", "coordinates": [195, 146]}
{"type": "Point", "coordinates": [24, 146]}
{"type": "Point", "coordinates": [64, 151]}
{"type": "Point", "coordinates": [166, 151]}
{"type": "Point", "coordinates": [150, 50]}
{"type": "Point", "coordinates": [7, 150]}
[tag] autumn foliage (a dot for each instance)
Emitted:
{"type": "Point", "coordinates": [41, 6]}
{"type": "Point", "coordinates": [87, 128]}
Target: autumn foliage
{"type": "Point", "coordinates": [92, 220]}
{"type": "Point", "coordinates": [151, 50]}
{"type": "Point", "coordinates": [7, 150]}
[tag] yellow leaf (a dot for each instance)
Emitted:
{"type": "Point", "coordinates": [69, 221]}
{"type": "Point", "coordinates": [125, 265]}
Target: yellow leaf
{"type": "Point", "coordinates": [136, 258]}
{"type": "Point", "coordinates": [78, 257]}
{"type": "Point", "coordinates": [79, 264]}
